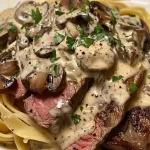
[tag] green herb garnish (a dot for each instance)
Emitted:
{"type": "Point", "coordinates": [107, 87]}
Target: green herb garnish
{"type": "Point", "coordinates": [1, 30]}
{"type": "Point", "coordinates": [58, 38]}
{"type": "Point", "coordinates": [78, 63]}
{"type": "Point", "coordinates": [84, 9]}
{"type": "Point", "coordinates": [35, 67]}
{"type": "Point", "coordinates": [75, 119]}
{"type": "Point", "coordinates": [81, 31]}
{"type": "Point", "coordinates": [114, 20]}
{"type": "Point", "coordinates": [59, 13]}
{"type": "Point", "coordinates": [98, 29]}
{"type": "Point", "coordinates": [24, 26]}
{"type": "Point", "coordinates": [13, 28]}
{"type": "Point", "coordinates": [71, 43]}
{"type": "Point", "coordinates": [116, 78]}
{"type": "Point", "coordinates": [99, 33]}
{"type": "Point", "coordinates": [87, 42]}
{"type": "Point", "coordinates": [16, 75]}
{"type": "Point", "coordinates": [133, 88]}
{"type": "Point", "coordinates": [57, 70]}
{"type": "Point", "coordinates": [72, 8]}
{"type": "Point", "coordinates": [36, 15]}
{"type": "Point", "coordinates": [132, 15]}
{"type": "Point", "coordinates": [36, 38]}
{"type": "Point", "coordinates": [1, 49]}
{"type": "Point", "coordinates": [148, 76]}
{"type": "Point", "coordinates": [81, 108]}
{"type": "Point", "coordinates": [53, 56]}
{"type": "Point", "coordinates": [118, 40]}
{"type": "Point", "coordinates": [130, 23]}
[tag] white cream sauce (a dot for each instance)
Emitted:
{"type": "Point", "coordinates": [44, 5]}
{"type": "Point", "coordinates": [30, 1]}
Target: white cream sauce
{"type": "Point", "coordinates": [98, 56]}
{"type": "Point", "coordinates": [95, 101]}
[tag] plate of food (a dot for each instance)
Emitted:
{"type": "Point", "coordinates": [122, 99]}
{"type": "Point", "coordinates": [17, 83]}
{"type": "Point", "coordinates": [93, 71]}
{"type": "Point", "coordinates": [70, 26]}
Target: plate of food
{"type": "Point", "coordinates": [74, 75]}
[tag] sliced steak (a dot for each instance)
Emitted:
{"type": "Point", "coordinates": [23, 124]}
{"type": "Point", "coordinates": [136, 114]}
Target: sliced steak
{"type": "Point", "coordinates": [18, 90]}
{"type": "Point", "coordinates": [51, 111]}
{"type": "Point", "coordinates": [133, 133]}
{"type": "Point", "coordinates": [107, 118]}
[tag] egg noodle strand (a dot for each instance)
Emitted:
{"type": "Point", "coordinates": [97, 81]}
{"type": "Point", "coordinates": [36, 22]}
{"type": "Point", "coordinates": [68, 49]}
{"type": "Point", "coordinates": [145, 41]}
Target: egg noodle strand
{"type": "Point", "coordinates": [16, 126]}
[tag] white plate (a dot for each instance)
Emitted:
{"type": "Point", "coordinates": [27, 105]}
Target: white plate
{"type": "Point", "coordinates": [12, 3]}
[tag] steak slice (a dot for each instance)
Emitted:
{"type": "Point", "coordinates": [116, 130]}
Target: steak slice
{"type": "Point", "coordinates": [133, 133]}
{"type": "Point", "coordinates": [18, 90]}
{"type": "Point", "coordinates": [53, 111]}
{"type": "Point", "coordinates": [105, 121]}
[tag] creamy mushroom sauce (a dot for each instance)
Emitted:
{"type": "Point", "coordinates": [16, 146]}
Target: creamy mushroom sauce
{"type": "Point", "coordinates": [85, 62]}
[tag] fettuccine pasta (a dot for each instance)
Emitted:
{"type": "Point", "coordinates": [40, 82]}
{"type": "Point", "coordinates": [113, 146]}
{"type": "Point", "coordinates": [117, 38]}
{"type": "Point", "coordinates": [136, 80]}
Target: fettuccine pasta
{"type": "Point", "coordinates": [17, 127]}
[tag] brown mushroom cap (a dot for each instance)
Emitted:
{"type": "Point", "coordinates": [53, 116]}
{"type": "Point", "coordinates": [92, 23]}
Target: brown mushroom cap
{"type": "Point", "coordinates": [37, 81]}
{"type": "Point", "coordinates": [73, 3]}
{"type": "Point", "coordinates": [5, 84]}
{"type": "Point", "coordinates": [100, 10]}
{"type": "Point", "coordinates": [9, 68]}
{"type": "Point", "coordinates": [56, 80]}
{"type": "Point", "coordinates": [23, 12]}
{"type": "Point", "coordinates": [8, 34]}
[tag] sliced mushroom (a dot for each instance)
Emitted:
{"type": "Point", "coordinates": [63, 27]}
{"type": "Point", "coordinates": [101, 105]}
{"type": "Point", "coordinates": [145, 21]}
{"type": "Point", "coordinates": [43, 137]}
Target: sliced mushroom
{"type": "Point", "coordinates": [56, 78]}
{"type": "Point", "coordinates": [23, 12]}
{"type": "Point", "coordinates": [8, 34]}
{"type": "Point", "coordinates": [22, 41]}
{"type": "Point", "coordinates": [100, 10]}
{"type": "Point", "coordinates": [5, 84]}
{"type": "Point", "coordinates": [127, 22]}
{"type": "Point", "coordinates": [80, 18]}
{"type": "Point", "coordinates": [9, 68]}
{"type": "Point", "coordinates": [139, 37]}
{"type": "Point", "coordinates": [73, 3]}
{"type": "Point", "coordinates": [37, 81]}
{"type": "Point", "coordinates": [5, 56]}
{"type": "Point", "coordinates": [137, 79]}
{"type": "Point", "coordinates": [44, 52]}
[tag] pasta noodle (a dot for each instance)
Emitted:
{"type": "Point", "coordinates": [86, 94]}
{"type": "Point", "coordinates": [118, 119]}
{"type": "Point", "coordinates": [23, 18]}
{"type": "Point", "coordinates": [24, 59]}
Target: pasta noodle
{"type": "Point", "coordinates": [15, 126]}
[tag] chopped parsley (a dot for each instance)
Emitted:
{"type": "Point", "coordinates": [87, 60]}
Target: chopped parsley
{"type": "Point", "coordinates": [99, 33]}
{"type": "Point", "coordinates": [35, 67]}
{"type": "Point", "coordinates": [148, 76]}
{"type": "Point", "coordinates": [59, 13]}
{"type": "Point", "coordinates": [78, 63]}
{"type": "Point", "coordinates": [71, 43]}
{"type": "Point", "coordinates": [87, 42]}
{"type": "Point", "coordinates": [75, 119]}
{"type": "Point", "coordinates": [84, 9]}
{"type": "Point", "coordinates": [72, 8]}
{"type": "Point", "coordinates": [13, 28]}
{"type": "Point", "coordinates": [114, 20]}
{"type": "Point", "coordinates": [1, 30]}
{"type": "Point", "coordinates": [36, 38]}
{"type": "Point", "coordinates": [132, 15]}
{"type": "Point", "coordinates": [24, 26]}
{"type": "Point", "coordinates": [116, 78]}
{"type": "Point", "coordinates": [98, 29]}
{"type": "Point", "coordinates": [81, 31]}
{"type": "Point", "coordinates": [1, 48]}
{"type": "Point", "coordinates": [16, 75]}
{"type": "Point", "coordinates": [130, 23]}
{"type": "Point", "coordinates": [81, 108]}
{"type": "Point", "coordinates": [133, 88]}
{"type": "Point", "coordinates": [58, 38]}
{"type": "Point", "coordinates": [57, 70]}
{"type": "Point", "coordinates": [36, 15]}
{"type": "Point", "coordinates": [118, 40]}
{"type": "Point", "coordinates": [53, 56]}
